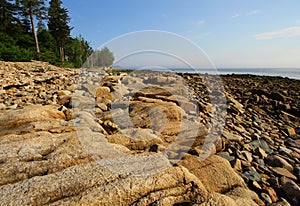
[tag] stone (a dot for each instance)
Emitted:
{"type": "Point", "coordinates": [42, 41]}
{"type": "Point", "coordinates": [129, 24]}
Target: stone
{"type": "Point", "coordinates": [103, 93]}
{"type": "Point", "coordinates": [277, 96]}
{"type": "Point", "coordinates": [244, 196]}
{"type": "Point", "coordinates": [17, 118]}
{"type": "Point", "coordinates": [163, 117]}
{"type": "Point", "coordinates": [232, 137]}
{"type": "Point", "coordinates": [248, 156]}
{"type": "Point", "coordinates": [93, 183]}
{"type": "Point", "coordinates": [236, 104]}
{"type": "Point", "coordinates": [252, 175]}
{"type": "Point", "coordinates": [2, 106]}
{"type": "Point", "coordinates": [283, 172]}
{"type": "Point", "coordinates": [277, 161]}
{"type": "Point", "coordinates": [297, 172]}
{"type": "Point", "coordinates": [271, 192]}
{"type": "Point", "coordinates": [283, 202]}
{"type": "Point", "coordinates": [237, 165]}
{"type": "Point", "coordinates": [135, 139]}
{"type": "Point", "coordinates": [226, 156]}
{"type": "Point", "coordinates": [289, 130]}
{"type": "Point", "coordinates": [119, 149]}
{"type": "Point", "coordinates": [261, 153]}
{"type": "Point", "coordinates": [266, 198]}
{"type": "Point", "coordinates": [214, 172]}
{"type": "Point", "coordinates": [292, 190]}
{"type": "Point", "coordinates": [262, 144]}
{"type": "Point", "coordinates": [292, 143]}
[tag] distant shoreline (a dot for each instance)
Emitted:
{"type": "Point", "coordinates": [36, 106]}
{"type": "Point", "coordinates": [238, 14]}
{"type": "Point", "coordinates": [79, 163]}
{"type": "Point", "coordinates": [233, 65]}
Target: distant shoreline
{"type": "Point", "coordinates": [284, 72]}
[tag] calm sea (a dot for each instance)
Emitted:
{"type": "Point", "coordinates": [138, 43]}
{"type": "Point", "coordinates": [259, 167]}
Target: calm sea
{"type": "Point", "coordinates": [290, 73]}
{"type": "Point", "coordinates": [284, 72]}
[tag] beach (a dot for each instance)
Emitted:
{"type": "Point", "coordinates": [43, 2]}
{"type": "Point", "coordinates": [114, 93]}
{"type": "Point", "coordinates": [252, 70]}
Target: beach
{"type": "Point", "coordinates": [72, 136]}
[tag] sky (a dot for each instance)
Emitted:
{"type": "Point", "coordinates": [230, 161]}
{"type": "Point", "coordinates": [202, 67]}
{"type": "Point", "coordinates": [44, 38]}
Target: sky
{"type": "Point", "coordinates": [232, 33]}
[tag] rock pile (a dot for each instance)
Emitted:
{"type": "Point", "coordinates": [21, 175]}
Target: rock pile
{"type": "Point", "coordinates": [262, 133]}
{"type": "Point", "coordinates": [145, 138]}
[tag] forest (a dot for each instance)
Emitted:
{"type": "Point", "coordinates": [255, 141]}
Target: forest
{"type": "Point", "coordinates": [40, 30]}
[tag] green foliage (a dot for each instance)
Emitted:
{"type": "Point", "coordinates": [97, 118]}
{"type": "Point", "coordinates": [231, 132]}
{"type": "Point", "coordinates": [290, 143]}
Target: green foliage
{"type": "Point", "coordinates": [9, 50]}
{"type": "Point", "coordinates": [78, 51]}
{"type": "Point", "coordinates": [18, 41]}
{"type": "Point", "coordinates": [30, 9]}
{"type": "Point", "coordinates": [58, 25]}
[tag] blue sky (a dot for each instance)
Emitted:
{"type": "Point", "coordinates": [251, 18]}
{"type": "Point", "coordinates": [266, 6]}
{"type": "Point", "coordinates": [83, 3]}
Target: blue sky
{"type": "Point", "coordinates": [234, 33]}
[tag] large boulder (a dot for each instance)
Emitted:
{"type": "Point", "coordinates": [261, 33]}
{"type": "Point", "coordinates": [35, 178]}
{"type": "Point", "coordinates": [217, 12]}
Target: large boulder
{"type": "Point", "coordinates": [215, 173]}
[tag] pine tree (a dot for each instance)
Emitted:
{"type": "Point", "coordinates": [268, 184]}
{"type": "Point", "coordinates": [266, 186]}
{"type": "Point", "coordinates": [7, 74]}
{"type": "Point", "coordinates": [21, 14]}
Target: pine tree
{"type": "Point", "coordinates": [7, 19]}
{"type": "Point", "coordinates": [31, 9]}
{"type": "Point", "coordinates": [58, 25]}
{"type": "Point", "coordinates": [78, 50]}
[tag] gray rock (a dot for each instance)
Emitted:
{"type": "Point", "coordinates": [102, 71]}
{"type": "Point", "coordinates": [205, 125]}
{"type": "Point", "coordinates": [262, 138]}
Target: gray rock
{"type": "Point", "coordinates": [252, 175]}
{"type": "Point", "coordinates": [262, 144]}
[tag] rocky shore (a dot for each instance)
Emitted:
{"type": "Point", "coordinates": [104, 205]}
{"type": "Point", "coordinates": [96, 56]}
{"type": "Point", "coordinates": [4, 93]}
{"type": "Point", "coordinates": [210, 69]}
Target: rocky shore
{"type": "Point", "coordinates": [78, 137]}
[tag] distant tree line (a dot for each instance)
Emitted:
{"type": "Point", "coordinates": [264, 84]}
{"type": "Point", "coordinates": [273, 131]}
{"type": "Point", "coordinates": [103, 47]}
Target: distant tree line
{"type": "Point", "coordinates": [100, 58]}
{"type": "Point", "coordinates": [39, 30]}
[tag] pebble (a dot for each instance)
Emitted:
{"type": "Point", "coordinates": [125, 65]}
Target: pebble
{"type": "Point", "coordinates": [266, 198]}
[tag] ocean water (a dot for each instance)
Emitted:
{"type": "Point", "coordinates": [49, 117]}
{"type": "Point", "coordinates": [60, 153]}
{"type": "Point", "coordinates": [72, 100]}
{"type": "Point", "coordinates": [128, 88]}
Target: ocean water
{"type": "Point", "coordinates": [284, 72]}
{"type": "Point", "coordinates": [290, 73]}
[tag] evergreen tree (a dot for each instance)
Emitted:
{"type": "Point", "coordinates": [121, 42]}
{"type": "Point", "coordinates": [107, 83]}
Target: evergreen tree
{"type": "Point", "coordinates": [7, 18]}
{"type": "Point", "coordinates": [21, 40]}
{"type": "Point", "coordinates": [41, 26]}
{"type": "Point", "coordinates": [77, 51]}
{"type": "Point", "coordinates": [49, 52]}
{"type": "Point", "coordinates": [58, 25]}
{"type": "Point", "coordinates": [31, 9]}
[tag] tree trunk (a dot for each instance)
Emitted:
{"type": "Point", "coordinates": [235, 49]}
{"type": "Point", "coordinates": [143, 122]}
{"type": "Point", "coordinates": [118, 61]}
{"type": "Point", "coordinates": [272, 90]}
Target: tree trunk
{"type": "Point", "coordinates": [62, 54]}
{"type": "Point", "coordinates": [37, 48]}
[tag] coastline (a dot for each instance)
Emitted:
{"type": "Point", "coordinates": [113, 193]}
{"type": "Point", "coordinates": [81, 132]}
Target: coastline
{"type": "Point", "coordinates": [257, 152]}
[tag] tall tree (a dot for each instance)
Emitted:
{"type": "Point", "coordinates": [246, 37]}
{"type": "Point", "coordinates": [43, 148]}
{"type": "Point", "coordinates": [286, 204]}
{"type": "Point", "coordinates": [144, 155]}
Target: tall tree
{"type": "Point", "coordinates": [58, 25]}
{"type": "Point", "coordinates": [7, 11]}
{"type": "Point", "coordinates": [77, 51]}
{"type": "Point", "coordinates": [33, 9]}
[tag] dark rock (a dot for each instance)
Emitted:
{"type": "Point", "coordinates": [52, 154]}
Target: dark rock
{"type": "Point", "coordinates": [292, 190]}
{"type": "Point", "coordinates": [252, 175]}
{"type": "Point", "coordinates": [292, 143]}
{"type": "Point", "coordinates": [276, 161]}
